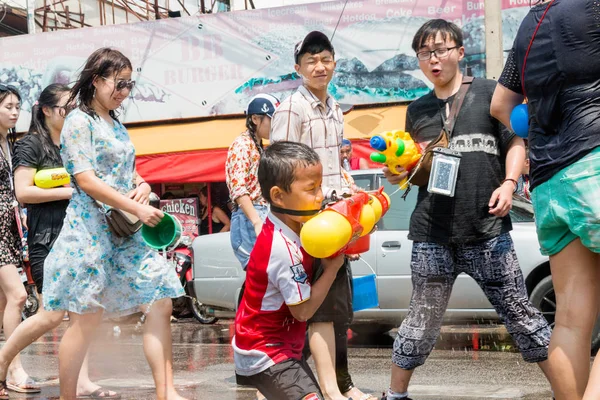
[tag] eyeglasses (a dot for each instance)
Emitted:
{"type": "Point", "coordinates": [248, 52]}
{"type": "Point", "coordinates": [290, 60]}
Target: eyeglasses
{"type": "Point", "coordinates": [64, 110]}
{"type": "Point", "coordinates": [440, 52]}
{"type": "Point", "coordinates": [121, 84]}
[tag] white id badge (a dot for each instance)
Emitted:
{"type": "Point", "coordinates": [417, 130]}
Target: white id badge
{"type": "Point", "coordinates": [444, 171]}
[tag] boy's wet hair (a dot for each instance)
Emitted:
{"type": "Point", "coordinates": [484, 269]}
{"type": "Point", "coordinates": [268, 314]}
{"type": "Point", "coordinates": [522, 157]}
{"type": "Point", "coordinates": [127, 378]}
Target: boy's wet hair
{"type": "Point", "coordinates": [430, 29]}
{"type": "Point", "coordinates": [278, 165]}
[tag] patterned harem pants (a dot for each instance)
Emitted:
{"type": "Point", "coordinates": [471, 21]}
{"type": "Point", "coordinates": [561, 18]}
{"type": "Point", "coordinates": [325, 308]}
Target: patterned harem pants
{"type": "Point", "coordinates": [494, 266]}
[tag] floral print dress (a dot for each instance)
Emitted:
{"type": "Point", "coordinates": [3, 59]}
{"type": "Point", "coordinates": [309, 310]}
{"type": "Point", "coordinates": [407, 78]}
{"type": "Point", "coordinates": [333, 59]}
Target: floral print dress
{"type": "Point", "coordinates": [10, 241]}
{"type": "Point", "coordinates": [89, 268]}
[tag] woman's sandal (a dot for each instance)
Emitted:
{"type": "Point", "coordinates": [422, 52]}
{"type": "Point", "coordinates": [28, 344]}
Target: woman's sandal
{"type": "Point", "coordinates": [28, 385]}
{"type": "Point", "coordinates": [99, 394]}
{"type": "Point", "coordinates": [3, 391]}
{"type": "Point", "coordinates": [368, 396]}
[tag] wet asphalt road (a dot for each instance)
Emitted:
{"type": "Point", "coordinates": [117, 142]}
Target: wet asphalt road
{"type": "Point", "coordinates": [204, 364]}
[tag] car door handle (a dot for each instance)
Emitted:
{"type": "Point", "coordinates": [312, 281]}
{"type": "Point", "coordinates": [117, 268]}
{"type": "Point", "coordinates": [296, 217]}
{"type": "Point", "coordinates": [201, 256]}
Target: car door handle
{"type": "Point", "coordinates": [391, 245]}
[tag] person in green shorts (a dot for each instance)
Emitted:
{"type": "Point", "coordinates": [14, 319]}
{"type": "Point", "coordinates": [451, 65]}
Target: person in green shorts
{"type": "Point", "coordinates": [554, 63]}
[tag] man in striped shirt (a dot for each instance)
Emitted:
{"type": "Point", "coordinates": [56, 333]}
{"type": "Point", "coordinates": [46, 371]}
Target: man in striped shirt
{"type": "Point", "coordinates": [313, 117]}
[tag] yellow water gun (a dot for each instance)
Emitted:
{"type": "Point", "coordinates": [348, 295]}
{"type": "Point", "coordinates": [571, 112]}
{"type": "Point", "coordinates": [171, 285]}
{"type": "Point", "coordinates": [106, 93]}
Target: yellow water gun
{"type": "Point", "coordinates": [395, 149]}
{"type": "Point", "coordinates": [51, 178]}
{"type": "Point", "coordinates": [344, 226]}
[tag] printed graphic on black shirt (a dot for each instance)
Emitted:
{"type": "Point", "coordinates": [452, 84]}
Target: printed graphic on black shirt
{"type": "Point", "coordinates": [475, 142]}
{"type": "Point", "coordinates": [482, 142]}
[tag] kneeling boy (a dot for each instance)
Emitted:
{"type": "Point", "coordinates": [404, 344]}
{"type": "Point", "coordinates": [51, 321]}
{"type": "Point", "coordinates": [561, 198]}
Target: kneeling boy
{"type": "Point", "coordinates": [270, 324]}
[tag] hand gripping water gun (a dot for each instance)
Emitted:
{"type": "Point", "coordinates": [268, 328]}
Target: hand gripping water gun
{"type": "Point", "coordinates": [344, 226]}
{"type": "Point", "coordinates": [395, 149]}
{"type": "Point", "coordinates": [51, 178]}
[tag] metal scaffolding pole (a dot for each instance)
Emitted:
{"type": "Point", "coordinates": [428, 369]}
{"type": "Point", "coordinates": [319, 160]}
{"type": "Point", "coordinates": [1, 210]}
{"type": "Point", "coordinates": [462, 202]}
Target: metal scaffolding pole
{"type": "Point", "coordinates": [30, 16]}
{"type": "Point", "coordinates": [494, 51]}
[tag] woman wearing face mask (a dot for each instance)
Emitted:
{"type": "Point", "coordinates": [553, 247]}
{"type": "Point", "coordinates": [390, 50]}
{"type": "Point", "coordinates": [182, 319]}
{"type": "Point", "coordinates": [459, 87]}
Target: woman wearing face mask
{"type": "Point", "coordinates": [89, 270]}
{"type": "Point", "coordinates": [241, 168]}
{"type": "Point", "coordinates": [39, 150]}
{"type": "Point", "coordinates": [12, 292]}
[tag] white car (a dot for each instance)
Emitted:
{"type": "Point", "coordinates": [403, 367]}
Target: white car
{"type": "Point", "coordinates": [218, 276]}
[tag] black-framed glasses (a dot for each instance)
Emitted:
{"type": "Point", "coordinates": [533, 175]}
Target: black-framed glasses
{"type": "Point", "coordinates": [440, 52]}
{"type": "Point", "coordinates": [121, 84]}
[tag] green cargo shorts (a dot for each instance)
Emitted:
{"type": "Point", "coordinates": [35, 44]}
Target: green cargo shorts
{"type": "Point", "coordinates": [567, 206]}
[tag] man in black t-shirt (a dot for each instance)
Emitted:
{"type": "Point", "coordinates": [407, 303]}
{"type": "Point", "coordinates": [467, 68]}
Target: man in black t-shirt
{"type": "Point", "coordinates": [554, 63]}
{"type": "Point", "coordinates": [468, 232]}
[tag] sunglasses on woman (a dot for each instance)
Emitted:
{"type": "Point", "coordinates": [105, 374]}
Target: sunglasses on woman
{"type": "Point", "coordinates": [121, 84]}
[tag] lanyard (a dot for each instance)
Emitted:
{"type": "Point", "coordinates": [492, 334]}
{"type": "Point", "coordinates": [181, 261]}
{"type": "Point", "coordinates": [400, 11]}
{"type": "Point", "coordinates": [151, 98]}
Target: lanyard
{"type": "Point", "coordinates": [450, 114]}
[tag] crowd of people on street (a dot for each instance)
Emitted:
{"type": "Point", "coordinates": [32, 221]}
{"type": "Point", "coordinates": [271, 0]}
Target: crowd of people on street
{"type": "Point", "coordinates": [294, 306]}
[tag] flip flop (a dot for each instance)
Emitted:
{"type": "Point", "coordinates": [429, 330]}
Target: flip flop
{"type": "Point", "coordinates": [3, 391]}
{"type": "Point", "coordinates": [99, 393]}
{"type": "Point", "coordinates": [26, 386]}
{"type": "Point", "coordinates": [365, 396]}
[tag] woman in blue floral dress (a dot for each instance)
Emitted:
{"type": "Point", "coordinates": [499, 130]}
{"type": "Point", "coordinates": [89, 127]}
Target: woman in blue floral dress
{"type": "Point", "coordinates": [12, 292]}
{"type": "Point", "coordinates": [90, 271]}
{"type": "Point", "coordinates": [46, 207]}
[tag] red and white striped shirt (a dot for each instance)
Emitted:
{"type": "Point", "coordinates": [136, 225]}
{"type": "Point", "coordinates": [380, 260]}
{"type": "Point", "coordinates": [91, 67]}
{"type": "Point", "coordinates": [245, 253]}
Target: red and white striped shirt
{"type": "Point", "coordinates": [278, 275]}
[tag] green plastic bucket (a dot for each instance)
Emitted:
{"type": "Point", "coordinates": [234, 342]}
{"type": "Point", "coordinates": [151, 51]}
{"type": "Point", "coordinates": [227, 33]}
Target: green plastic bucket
{"type": "Point", "coordinates": [164, 235]}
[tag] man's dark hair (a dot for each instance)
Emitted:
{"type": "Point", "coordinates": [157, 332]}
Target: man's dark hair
{"type": "Point", "coordinates": [278, 165]}
{"type": "Point", "coordinates": [430, 29]}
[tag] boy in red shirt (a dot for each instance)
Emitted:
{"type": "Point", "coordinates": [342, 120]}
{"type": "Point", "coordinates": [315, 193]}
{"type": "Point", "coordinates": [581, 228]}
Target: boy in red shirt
{"type": "Point", "coordinates": [270, 324]}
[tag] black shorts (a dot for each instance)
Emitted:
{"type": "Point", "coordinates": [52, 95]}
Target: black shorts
{"type": "Point", "coordinates": [337, 306]}
{"type": "Point", "coordinates": [290, 380]}
{"type": "Point", "coordinates": [39, 248]}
